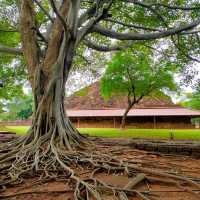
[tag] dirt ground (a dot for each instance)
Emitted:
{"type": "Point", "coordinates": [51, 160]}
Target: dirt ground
{"type": "Point", "coordinates": [157, 187]}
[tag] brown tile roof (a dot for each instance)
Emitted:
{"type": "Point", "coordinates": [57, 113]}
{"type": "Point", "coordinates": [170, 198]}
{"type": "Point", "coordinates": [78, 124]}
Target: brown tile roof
{"type": "Point", "coordinates": [134, 112]}
{"type": "Point", "coordinates": [93, 100]}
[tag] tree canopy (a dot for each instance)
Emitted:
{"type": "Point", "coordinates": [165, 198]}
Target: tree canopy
{"type": "Point", "coordinates": [192, 100]}
{"type": "Point", "coordinates": [98, 25]}
{"type": "Point", "coordinates": [137, 73]}
{"type": "Point", "coordinates": [98, 18]}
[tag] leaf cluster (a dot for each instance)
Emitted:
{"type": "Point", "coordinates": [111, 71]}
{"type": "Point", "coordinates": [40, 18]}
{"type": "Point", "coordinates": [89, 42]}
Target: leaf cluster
{"type": "Point", "coordinates": [137, 73]}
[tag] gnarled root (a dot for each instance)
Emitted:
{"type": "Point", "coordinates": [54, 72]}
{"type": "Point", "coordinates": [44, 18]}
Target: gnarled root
{"type": "Point", "coordinates": [51, 155]}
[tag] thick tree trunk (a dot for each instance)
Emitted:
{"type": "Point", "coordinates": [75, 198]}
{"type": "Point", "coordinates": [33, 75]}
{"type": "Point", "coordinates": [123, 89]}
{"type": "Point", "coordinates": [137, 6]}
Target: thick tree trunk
{"type": "Point", "coordinates": [50, 119]}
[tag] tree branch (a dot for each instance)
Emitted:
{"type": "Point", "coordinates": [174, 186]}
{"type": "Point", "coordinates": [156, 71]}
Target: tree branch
{"type": "Point", "coordinates": [55, 38]}
{"type": "Point", "coordinates": [43, 38]}
{"type": "Point", "coordinates": [182, 50]}
{"type": "Point", "coordinates": [145, 36]}
{"type": "Point", "coordinates": [132, 83]}
{"type": "Point", "coordinates": [150, 7]}
{"type": "Point", "coordinates": [63, 21]}
{"type": "Point", "coordinates": [140, 98]}
{"type": "Point", "coordinates": [10, 50]}
{"type": "Point", "coordinates": [129, 98]}
{"type": "Point", "coordinates": [104, 48]}
{"type": "Point", "coordinates": [98, 16]}
{"type": "Point", "coordinates": [85, 16]}
{"type": "Point", "coordinates": [44, 11]}
{"type": "Point", "coordinates": [131, 25]}
{"type": "Point", "coordinates": [100, 12]}
{"type": "Point", "coordinates": [73, 26]}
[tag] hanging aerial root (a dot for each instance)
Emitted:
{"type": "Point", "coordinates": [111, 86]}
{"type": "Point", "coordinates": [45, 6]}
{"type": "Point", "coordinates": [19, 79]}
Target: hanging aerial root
{"type": "Point", "coordinates": [51, 160]}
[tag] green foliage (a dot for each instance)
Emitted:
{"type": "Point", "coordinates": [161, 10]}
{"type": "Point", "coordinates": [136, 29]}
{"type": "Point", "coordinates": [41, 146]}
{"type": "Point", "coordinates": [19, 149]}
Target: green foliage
{"type": "Point", "coordinates": [135, 72]}
{"type": "Point", "coordinates": [13, 78]}
{"type": "Point", "coordinates": [18, 108]}
{"type": "Point", "coordinates": [12, 68]}
{"type": "Point", "coordinates": [193, 101]}
{"type": "Point", "coordinates": [195, 120]}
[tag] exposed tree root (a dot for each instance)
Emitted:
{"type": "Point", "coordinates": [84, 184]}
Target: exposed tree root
{"type": "Point", "coordinates": [34, 192]}
{"type": "Point", "coordinates": [49, 156]}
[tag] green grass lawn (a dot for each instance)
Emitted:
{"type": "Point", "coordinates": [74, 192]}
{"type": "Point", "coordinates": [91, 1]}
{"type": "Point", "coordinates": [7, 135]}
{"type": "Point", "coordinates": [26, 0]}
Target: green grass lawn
{"type": "Point", "coordinates": [190, 134]}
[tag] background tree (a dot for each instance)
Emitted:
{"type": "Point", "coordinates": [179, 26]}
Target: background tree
{"type": "Point", "coordinates": [49, 35]}
{"type": "Point", "coordinates": [12, 77]}
{"type": "Point", "coordinates": [136, 74]}
{"type": "Point", "coordinates": [18, 108]}
{"type": "Point", "coordinates": [192, 100]}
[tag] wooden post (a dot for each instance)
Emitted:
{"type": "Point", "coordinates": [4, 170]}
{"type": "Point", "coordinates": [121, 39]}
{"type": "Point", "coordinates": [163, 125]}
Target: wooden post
{"type": "Point", "coordinates": [114, 122]}
{"type": "Point", "coordinates": [154, 121]}
{"type": "Point", "coordinates": [78, 122]}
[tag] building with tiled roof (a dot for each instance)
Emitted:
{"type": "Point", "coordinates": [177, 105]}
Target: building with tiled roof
{"type": "Point", "coordinates": [87, 108]}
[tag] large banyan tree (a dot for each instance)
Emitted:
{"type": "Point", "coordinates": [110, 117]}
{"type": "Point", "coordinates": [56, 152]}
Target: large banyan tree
{"type": "Point", "coordinates": [51, 33]}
